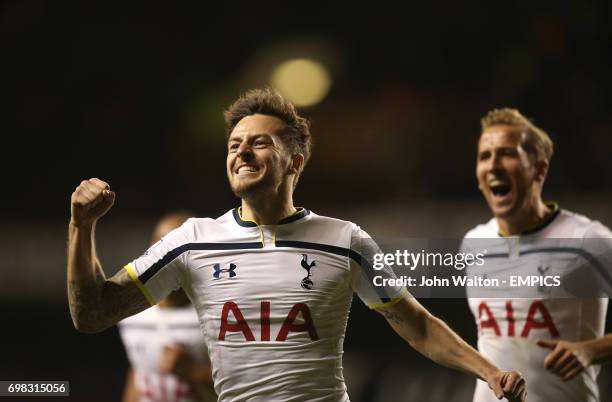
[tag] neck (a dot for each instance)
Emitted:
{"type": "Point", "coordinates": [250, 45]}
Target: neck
{"type": "Point", "coordinates": [267, 211]}
{"type": "Point", "coordinates": [525, 219]}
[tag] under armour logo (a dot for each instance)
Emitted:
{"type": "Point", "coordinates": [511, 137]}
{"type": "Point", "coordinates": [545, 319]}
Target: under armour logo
{"type": "Point", "coordinates": [231, 270]}
{"type": "Point", "coordinates": [306, 282]}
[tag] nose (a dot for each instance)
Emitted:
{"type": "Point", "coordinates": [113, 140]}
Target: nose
{"type": "Point", "coordinates": [244, 151]}
{"type": "Point", "coordinates": [495, 162]}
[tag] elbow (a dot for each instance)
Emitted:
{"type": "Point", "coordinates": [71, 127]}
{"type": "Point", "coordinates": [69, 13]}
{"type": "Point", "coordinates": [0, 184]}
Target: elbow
{"type": "Point", "coordinates": [87, 326]}
{"type": "Point", "coordinates": [87, 329]}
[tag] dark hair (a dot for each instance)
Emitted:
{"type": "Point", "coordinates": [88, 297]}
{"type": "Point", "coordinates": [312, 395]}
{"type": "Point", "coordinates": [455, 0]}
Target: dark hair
{"type": "Point", "coordinates": [269, 102]}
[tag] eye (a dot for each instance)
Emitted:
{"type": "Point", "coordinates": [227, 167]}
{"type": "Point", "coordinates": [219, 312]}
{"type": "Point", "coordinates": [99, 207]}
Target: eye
{"type": "Point", "coordinates": [261, 142]}
{"type": "Point", "coordinates": [233, 147]}
{"type": "Point", "coordinates": [508, 152]}
{"type": "Point", "coordinates": [484, 156]}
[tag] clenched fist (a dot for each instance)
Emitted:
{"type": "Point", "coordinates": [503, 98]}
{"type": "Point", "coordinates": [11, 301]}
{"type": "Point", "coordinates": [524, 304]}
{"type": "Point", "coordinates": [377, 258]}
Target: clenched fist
{"type": "Point", "coordinates": [509, 384]}
{"type": "Point", "coordinates": [90, 201]}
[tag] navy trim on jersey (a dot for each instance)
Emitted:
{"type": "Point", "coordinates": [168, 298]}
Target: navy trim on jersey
{"type": "Point", "coordinates": [301, 212]}
{"type": "Point", "coordinates": [345, 252]}
{"type": "Point", "coordinates": [584, 254]}
{"type": "Point", "coordinates": [246, 224]}
{"type": "Point", "coordinates": [175, 253]}
{"type": "Point", "coordinates": [355, 256]}
{"type": "Point", "coordinates": [317, 246]}
{"type": "Point", "coordinates": [539, 226]}
{"type": "Point", "coordinates": [555, 213]}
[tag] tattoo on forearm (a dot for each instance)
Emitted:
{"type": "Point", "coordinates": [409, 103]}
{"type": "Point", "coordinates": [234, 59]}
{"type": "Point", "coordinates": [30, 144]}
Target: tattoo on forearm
{"type": "Point", "coordinates": [122, 298]}
{"type": "Point", "coordinates": [392, 316]}
{"type": "Point", "coordinates": [98, 305]}
{"type": "Point", "coordinates": [84, 302]}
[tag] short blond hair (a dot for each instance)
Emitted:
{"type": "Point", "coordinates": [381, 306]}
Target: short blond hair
{"type": "Point", "coordinates": [535, 142]}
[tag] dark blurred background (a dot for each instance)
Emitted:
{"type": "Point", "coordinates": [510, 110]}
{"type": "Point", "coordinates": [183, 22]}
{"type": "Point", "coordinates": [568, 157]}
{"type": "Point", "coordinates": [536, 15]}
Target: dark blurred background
{"type": "Point", "coordinates": [133, 93]}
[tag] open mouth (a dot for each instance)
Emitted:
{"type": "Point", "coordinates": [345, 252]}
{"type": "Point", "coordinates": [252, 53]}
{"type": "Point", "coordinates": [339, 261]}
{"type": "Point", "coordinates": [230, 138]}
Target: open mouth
{"type": "Point", "coordinates": [500, 190]}
{"type": "Point", "coordinates": [246, 169]}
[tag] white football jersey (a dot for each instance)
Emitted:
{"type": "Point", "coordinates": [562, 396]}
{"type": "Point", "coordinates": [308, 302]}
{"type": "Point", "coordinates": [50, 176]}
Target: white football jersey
{"type": "Point", "coordinates": [510, 320]}
{"type": "Point", "coordinates": [273, 300]}
{"type": "Point", "coordinates": [145, 335]}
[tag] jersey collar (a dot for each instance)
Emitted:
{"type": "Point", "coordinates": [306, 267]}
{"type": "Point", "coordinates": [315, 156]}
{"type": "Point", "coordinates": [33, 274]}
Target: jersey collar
{"type": "Point", "coordinates": [299, 214]}
{"type": "Point", "coordinates": [540, 225]}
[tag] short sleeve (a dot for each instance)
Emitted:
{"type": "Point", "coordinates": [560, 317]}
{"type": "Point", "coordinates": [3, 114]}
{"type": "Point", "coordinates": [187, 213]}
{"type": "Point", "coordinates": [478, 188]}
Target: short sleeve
{"type": "Point", "coordinates": [161, 269]}
{"type": "Point", "coordinates": [371, 285]}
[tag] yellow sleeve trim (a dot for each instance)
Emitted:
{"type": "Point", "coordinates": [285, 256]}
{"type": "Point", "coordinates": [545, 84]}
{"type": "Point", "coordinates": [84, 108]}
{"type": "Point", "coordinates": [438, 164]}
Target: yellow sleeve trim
{"type": "Point", "coordinates": [391, 302]}
{"type": "Point", "coordinates": [132, 273]}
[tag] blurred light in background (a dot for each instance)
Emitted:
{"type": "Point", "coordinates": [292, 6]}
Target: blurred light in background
{"type": "Point", "coordinates": [305, 82]}
{"type": "Point", "coordinates": [301, 68]}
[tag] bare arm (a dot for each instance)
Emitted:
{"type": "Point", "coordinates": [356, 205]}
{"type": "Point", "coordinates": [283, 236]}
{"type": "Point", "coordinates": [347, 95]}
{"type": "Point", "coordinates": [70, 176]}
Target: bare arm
{"type": "Point", "coordinates": [96, 302]}
{"type": "Point", "coordinates": [431, 337]}
{"type": "Point", "coordinates": [601, 349]}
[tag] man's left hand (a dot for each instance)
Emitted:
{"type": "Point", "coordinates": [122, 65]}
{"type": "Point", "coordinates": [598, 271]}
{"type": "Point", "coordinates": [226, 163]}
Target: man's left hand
{"type": "Point", "coordinates": [566, 359]}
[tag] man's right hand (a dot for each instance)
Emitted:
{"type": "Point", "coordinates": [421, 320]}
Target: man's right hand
{"type": "Point", "coordinates": [508, 384]}
{"type": "Point", "coordinates": [90, 201]}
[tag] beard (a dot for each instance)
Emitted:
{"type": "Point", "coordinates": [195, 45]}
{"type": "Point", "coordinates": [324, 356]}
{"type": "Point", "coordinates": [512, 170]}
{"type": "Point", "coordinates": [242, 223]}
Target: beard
{"type": "Point", "coordinates": [248, 189]}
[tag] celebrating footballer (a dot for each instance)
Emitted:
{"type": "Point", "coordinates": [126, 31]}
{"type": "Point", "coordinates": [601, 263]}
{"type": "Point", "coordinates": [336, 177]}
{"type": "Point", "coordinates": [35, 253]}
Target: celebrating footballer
{"type": "Point", "coordinates": [271, 283]}
{"type": "Point", "coordinates": [557, 343]}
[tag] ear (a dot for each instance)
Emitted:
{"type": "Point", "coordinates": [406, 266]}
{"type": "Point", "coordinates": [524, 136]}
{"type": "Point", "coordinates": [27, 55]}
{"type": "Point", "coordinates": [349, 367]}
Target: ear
{"type": "Point", "coordinates": [541, 171]}
{"type": "Point", "coordinates": [297, 163]}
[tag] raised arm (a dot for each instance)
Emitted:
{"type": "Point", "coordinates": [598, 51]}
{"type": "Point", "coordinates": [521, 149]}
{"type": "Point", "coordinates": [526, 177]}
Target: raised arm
{"type": "Point", "coordinates": [96, 302]}
{"type": "Point", "coordinates": [431, 337]}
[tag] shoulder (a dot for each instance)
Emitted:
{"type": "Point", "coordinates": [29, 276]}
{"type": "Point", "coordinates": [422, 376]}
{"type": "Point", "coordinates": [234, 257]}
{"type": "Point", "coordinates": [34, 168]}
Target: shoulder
{"type": "Point", "coordinates": [574, 225]}
{"type": "Point", "coordinates": [327, 224]}
{"type": "Point", "coordinates": [484, 230]}
{"type": "Point", "coordinates": [316, 219]}
{"type": "Point", "coordinates": [314, 228]}
{"type": "Point", "coordinates": [203, 223]}
{"type": "Point", "coordinates": [197, 229]}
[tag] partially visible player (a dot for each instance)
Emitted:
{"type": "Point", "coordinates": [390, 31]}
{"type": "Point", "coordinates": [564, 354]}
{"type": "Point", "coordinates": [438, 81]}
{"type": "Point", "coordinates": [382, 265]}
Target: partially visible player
{"type": "Point", "coordinates": [555, 343]}
{"type": "Point", "coordinates": [272, 283]}
{"type": "Point", "coordinates": [165, 346]}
